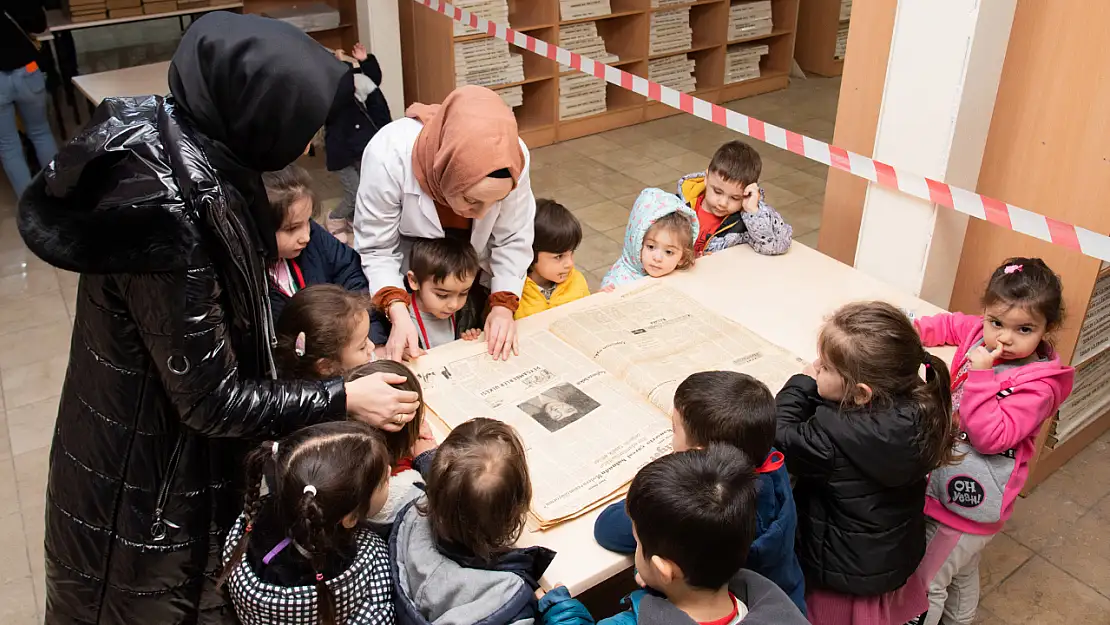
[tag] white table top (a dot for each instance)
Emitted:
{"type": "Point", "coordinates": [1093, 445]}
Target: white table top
{"type": "Point", "coordinates": [782, 298]}
{"type": "Point", "coordinates": [57, 20]}
{"type": "Point", "coordinates": [150, 79]}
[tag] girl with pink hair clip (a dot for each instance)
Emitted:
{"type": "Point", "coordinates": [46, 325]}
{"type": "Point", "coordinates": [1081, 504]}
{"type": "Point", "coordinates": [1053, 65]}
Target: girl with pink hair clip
{"type": "Point", "coordinates": [1007, 380]}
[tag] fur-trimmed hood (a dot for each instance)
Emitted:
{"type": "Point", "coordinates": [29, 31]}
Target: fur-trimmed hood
{"type": "Point", "coordinates": [121, 197]}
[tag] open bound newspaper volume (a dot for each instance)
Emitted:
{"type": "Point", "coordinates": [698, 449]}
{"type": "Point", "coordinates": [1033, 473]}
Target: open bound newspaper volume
{"type": "Point", "coordinates": [591, 397]}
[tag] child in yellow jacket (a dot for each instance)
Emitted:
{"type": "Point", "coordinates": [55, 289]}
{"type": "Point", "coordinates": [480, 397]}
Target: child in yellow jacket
{"type": "Point", "coordinates": [552, 279]}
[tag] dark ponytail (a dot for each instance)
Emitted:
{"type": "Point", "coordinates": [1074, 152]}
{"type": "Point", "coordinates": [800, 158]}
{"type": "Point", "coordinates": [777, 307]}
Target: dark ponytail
{"type": "Point", "coordinates": [875, 344]}
{"type": "Point", "coordinates": [256, 462]}
{"type": "Point", "coordinates": [311, 533]}
{"type": "Point", "coordinates": [939, 431]}
{"type": "Point", "coordinates": [322, 475]}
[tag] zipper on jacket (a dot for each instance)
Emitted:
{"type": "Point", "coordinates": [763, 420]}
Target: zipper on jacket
{"type": "Point", "coordinates": [158, 526]}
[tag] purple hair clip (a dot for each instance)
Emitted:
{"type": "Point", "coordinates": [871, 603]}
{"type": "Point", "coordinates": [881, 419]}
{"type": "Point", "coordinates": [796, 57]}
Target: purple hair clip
{"type": "Point", "coordinates": [1012, 269]}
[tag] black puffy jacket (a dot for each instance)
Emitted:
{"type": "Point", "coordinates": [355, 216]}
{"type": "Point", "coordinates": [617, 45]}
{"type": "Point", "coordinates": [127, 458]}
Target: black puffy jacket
{"type": "Point", "coordinates": [860, 490]}
{"type": "Point", "coordinates": [146, 459]}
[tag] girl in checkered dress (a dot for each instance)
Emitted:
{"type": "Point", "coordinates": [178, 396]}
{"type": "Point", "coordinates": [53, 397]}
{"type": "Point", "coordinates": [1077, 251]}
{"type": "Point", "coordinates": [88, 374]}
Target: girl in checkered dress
{"type": "Point", "coordinates": [300, 554]}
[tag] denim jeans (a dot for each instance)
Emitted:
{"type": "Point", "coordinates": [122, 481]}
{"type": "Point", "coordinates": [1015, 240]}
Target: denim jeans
{"type": "Point", "coordinates": [25, 91]}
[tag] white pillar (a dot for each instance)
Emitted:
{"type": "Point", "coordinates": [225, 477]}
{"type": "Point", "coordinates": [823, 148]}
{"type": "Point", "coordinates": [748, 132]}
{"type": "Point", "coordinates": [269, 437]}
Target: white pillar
{"type": "Point", "coordinates": [379, 29]}
{"type": "Point", "coordinates": [942, 77]}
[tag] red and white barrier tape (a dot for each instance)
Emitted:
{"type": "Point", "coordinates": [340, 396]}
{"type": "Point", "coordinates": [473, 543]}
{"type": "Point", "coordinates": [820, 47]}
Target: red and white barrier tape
{"type": "Point", "coordinates": [968, 202]}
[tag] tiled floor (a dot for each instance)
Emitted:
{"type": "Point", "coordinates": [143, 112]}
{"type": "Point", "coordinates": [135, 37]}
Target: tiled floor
{"type": "Point", "coordinates": [1052, 565]}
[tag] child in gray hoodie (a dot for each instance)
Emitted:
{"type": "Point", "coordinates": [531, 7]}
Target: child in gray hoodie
{"type": "Point", "coordinates": [452, 550]}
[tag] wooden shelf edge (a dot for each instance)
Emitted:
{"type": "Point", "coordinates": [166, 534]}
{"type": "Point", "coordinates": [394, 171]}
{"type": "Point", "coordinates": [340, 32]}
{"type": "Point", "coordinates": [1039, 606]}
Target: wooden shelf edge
{"type": "Point", "coordinates": [686, 5]}
{"type": "Point", "coordinates": [522, 29]}
{"type": "Point", "coordinates": [620, 63]}
{"type": "Point", "coordinates": [663, 55]}
{"type": "Point", "coordinates": [582, 20]}
{"type": "Point", "coordinates": [778, 32]}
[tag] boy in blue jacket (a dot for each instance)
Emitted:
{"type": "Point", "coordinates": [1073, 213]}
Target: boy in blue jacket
{"type": "Point", "coordinates": [735, 409]}
{"type": "Point", "coordinates": [693, 514]}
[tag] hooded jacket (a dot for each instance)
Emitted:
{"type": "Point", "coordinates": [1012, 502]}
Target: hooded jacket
{"type": "Point", "coordinates": [860, 489]}
{"type": "Point", "coordinates": [169, 367]}
{"type": "Point", "coordinates": [650, 206]}
{"type": "Point", "coordinates": [771, 553]}
{"type": "Point", "coordinates": [1000, 412]}
{"type": "Point", "coordinates": [765, 230]}
{"type": "Point", "coordinates": [434, 588]}
{"type": "Point", "coordinates": [765, 601]}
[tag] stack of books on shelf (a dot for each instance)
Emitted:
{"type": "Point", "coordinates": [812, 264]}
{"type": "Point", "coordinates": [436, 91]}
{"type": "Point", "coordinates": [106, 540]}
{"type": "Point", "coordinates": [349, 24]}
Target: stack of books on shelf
{"type": "Point", "coordinates": [583, 39]}
{"type": "Point", "coordinates": [486, 62]}
{"type": "Point", "coordinates": [122, 8]}
{"type": "Point", "coordinates": [580, 9]}
{"type": "Point", "coordinates": [676, 72]}
{"type": "Point", "coordinates": [311, 17]}
{"type": "Point", "coordinates": [87, 10]}
{"type": "Point", "coordinates": [580, 95]}
{"type": "Point", "coordinates": [154, 7]}
{"type": "Point", "coordinates": [193, 4]}
{"type": "Point", "coordinates": [845, 10]}
{"type": "Point", "coordinates": [655, 4]}
{"type": "Point", "coordinates": [493, 10]}
{"type": "Point", "coordinates": [841, 41]}
{"type": "Point", "coordinates": [749, 19]}
{"type": "Point", "coordinates": [670, 31]}
{"type": "Point", "coordinates": [511, 96]}
{"type": "Point", "coordinates": [742, 62]}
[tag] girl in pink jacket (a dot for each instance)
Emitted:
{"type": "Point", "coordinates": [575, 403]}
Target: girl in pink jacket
{"type": "Point", "coordinates": [1006, 381]}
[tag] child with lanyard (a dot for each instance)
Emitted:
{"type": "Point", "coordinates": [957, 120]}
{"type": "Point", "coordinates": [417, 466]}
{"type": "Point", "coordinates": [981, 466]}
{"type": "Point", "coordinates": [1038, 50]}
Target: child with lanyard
{"type": "Point", "coordinates": [441, 274]}
{"type": "Point", "coordinates": [299, 555]}
{"type": "Point", "coordinates": [307, 253]}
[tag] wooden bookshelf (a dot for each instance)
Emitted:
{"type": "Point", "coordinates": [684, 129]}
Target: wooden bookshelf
{"type": "Point", "coordinates": [427, 49]}
{"type": "Point", "coordinates": [345, 36]}
{"type": "Point", "coordinates": [815, 51]}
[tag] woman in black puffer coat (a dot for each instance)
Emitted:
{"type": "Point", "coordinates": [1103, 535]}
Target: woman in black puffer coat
{"type": "Point", "coordinates": [158, 203]}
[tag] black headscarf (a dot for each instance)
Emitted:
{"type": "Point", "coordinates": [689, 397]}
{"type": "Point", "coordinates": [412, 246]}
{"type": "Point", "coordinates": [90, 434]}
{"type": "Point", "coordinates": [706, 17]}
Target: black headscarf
{"type": "Point", "coordinates": [257, 90]}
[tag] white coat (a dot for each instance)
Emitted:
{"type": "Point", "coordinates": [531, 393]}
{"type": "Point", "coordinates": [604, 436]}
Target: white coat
{"type": "Point", "coordinates": [391, 204]}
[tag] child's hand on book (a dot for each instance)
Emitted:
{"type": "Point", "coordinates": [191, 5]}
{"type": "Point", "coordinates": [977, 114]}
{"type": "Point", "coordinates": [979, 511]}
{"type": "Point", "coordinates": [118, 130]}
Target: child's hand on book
{"type": "Point", "coordinates": [473, 334]}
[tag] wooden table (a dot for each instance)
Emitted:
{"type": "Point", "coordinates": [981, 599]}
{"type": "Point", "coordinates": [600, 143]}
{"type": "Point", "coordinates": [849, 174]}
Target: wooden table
{"type": "Point", "coordinates": [782, 298]}
{"type": "Point", "coordinates": [130, 81]}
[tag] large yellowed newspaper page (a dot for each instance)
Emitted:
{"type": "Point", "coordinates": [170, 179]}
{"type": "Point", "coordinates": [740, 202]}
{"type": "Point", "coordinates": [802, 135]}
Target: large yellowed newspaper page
{"type": "Point", "coordinates": [591, 397]}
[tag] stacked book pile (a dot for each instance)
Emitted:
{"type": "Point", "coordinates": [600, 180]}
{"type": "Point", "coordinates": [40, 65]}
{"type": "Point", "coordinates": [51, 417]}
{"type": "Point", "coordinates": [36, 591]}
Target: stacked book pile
{"type": "Point", "coordinates": [512, 96]}
{"type": "Point", "coordinates": [749, 19]}
{"type": "Point", "coordinates": [311, 17]}
{"type": "Point", "coordinates": [655, 4]}
{"type": "Point", "coordinates": [154, 7]}
{"type": "Point", "coordinates": [580, 95]}
{"type": "Point", "coordinates": [486, 62]}
{"type": "Point", "coordinates": [845, 10]}
{"type": "Point", "coordinates": [493, 10]}
{"type": "Point", "coordinates": [742, 62]}
{"type": "Point", "coordinates": [193, 4]}
{"type": "Point", "coordinates": [88, 10]}
{"type": "Point", "coordinates": [583, 39]}
{"type": "Point", "coordinates": [579, 9]}
{"type": "Point", "coordinates": [676, 72]}
{"type": "Point", "coordinates": [841, 41]}
{"type": "Point", "coordinates": [670, 31]}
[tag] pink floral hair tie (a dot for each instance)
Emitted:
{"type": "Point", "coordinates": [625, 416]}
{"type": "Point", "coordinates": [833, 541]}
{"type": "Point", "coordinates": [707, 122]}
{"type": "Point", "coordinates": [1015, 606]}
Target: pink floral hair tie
{"type": "Point", "coordinates": [1012, 269]}
{"type": "Point", "coordinates": [319, 577]}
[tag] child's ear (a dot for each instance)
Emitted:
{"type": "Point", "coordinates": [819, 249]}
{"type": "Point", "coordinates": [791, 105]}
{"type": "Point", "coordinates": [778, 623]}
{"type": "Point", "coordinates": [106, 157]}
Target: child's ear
{"type": "Point", "coordinates": [667, 569]}
{"type": "Point", "coordinates": [350, 521]}
{"type": "Point", "coordinates": [862, 394]}
{"type": "Point", "coordinates": [413, 284]}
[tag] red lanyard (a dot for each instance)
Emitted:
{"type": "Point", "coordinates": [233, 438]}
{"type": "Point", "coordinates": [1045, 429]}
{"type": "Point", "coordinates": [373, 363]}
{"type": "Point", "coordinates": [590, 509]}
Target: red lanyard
{"type": "Point", "coordinates": [420, 322]}
{"type": "Point", "coordinates": [297, 274]}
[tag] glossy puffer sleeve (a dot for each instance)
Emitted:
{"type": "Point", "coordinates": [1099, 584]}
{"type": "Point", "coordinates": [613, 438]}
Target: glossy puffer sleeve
{"type": "Point", "coordinates": [211, 395]}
